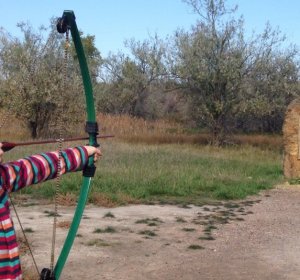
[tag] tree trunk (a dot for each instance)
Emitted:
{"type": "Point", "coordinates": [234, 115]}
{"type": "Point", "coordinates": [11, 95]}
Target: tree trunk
{"type": "Point", "coordinates": [33, 129]}
{"type": "Point", "coordinates": [219, 131]}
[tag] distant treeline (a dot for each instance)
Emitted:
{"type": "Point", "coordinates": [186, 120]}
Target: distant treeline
{"type": "Point", "coordinates": [211, 77]}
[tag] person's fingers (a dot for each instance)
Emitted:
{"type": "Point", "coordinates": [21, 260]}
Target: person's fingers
{"type": "Point", "coordinates": [93, 151]}
{"type": "Point", "coordinates": [98, 155]}
{"type": "Point", "coordinates": [98, 152]}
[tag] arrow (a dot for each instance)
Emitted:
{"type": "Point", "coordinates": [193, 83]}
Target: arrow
{"type": "Point", "coordinates": [7, 146]}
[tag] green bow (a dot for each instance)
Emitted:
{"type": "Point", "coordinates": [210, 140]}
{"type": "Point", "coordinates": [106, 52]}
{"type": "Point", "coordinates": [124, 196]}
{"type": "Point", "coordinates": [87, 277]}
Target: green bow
{"type": "Point", "coordinates": [67, 21]}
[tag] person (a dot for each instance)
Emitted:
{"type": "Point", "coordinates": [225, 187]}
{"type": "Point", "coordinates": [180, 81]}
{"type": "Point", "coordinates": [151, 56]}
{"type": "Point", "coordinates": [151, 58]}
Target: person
{"type": "Point", "coordinates": [22, 173]}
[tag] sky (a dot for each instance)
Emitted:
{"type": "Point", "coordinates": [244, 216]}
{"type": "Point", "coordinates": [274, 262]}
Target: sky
{"type": "Point", "coordinates": [113, 21]}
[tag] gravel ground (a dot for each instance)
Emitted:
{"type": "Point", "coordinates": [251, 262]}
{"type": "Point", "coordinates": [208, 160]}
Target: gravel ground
{"type": "Point", "coordinates": [258, 238]}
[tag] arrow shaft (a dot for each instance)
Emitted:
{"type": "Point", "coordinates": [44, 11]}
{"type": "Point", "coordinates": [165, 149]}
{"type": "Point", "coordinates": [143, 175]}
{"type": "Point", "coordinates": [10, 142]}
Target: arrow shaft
{"type": "Point", "coordinates": [6, 146]}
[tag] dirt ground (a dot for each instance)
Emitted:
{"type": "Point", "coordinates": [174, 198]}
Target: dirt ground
{"type": "Point", "coordinates": [258, 238]}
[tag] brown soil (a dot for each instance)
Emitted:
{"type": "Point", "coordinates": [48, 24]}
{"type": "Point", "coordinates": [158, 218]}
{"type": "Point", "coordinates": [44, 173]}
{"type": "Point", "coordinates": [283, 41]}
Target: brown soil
{"type": "Point", "coordinates": [258, 238]}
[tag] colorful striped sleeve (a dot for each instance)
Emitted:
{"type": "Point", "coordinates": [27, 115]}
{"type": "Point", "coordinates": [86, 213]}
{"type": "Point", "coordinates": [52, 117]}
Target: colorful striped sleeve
{"type": "Point", "coordinates": [38, 168]}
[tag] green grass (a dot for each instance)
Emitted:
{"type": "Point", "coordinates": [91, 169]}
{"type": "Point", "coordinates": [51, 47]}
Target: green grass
{"type": "Point", "coordinates": [108, 229]}
{"type": "Point", "coordinates": [173, 174]}
{"type": "Point", "coordinates": [180, 220]}
{"type": "Point", "coordinates": [150, 222]}
{"type": "Point", "coordinates": [188, 229]}
{"type": "Point", "coordinates": [28, 230]}
{"type": "Point", "coordinates": [147, 233]}
{"type": "Point", "coordinates": [98, 243]}
{"type": "Point", "coordinates": [109, 215]}
{"type": "Point", "coordinates": [196, 247]}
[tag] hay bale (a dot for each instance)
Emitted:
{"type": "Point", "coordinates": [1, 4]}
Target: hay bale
{"type": "Point", "coordinates": [291, 141]}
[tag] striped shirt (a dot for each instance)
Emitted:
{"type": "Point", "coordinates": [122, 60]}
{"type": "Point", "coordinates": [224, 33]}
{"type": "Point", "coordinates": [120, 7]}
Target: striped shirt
{"type": "Point", "coordinates": [17, 175]}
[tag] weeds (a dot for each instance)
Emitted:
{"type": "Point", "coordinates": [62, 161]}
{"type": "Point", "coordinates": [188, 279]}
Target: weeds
{"type": "Point", "coordinates": [149, 233]}
{"type": "Point", "coordinates": [150, 222]}
{"type": "Point", "coordinates": [188, 229]}
{"type": "Point", "coordinates": [98, 243]}
{"type": "Point", "coordinates": [51, 213]}
{"type": "Point", "coordinates": [108, 229]}
{"type": "Point", "coordinates": [109, 215]}
{"type": "Point", "coordinates": [28, 230]}
{"type": "Point", "coordinates": [180, 220]}
{"type": "Point", "coordinates": [196, 247]}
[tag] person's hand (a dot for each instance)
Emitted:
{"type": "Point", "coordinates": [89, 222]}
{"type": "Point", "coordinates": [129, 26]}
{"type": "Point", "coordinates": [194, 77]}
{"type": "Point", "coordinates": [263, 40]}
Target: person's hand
{"type": "Point", "coordinates": [93, 151]}
{"type": "Point", "coordinates": [1, 153]}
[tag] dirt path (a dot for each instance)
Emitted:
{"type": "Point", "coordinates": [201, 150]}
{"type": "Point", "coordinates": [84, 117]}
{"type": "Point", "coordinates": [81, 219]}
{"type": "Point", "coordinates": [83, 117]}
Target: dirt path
{"type": "Point", "coordinates": [258, 238]}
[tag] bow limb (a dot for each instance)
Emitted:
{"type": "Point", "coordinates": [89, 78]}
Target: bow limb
{"type": "Point", "coordinates": [68, 22]}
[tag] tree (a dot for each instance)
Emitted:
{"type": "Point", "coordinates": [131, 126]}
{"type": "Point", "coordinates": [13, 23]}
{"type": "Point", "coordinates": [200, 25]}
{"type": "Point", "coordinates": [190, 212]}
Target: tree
{"type": "Point", "coordinates": [92, 54]}
{"type": "Point", "coordinates": [270, 86]}
{"type": "Point", "coordinates": [214, 61]}
{"type": "Point", "coordinates": [40, 90]}
{"type": "Point", "coordinates": [133, 78]}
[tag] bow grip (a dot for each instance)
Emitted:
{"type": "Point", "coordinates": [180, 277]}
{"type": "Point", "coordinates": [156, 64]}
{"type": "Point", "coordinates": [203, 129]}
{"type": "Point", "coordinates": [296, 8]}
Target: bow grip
{"type": "Point", "coordinates": [92, 129]}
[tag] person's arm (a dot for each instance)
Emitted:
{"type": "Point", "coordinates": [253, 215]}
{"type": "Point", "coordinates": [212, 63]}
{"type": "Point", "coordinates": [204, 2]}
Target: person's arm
{"type": "Point", "coordinates": [38, 168]}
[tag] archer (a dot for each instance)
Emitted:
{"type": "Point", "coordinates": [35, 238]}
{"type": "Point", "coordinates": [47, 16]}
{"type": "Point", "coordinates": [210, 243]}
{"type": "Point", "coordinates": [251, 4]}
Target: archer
{"type": "Point", "coordinates": [25, 172]}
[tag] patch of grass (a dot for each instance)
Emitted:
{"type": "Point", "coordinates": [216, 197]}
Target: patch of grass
{"type": "Point", "coordinates": [295, 181]}
{"type": "Point", "coordinates": [149, 233]}
{"type": "Point", "coordinates": [64, 224]}
{"type": "Point", "coordinates": [109, 215]}
{"type": "Point", "coordinates": [185, 174]}
{"type": "Point", "coordinates": [108, 229]}
{"type": "Point", "coordinates": [142, 221]}
{"type": "Point", "coordinates": [221, 220]}
{"type": "Point", "coordinates": [98, 243]}
{"type": "Point", "coordinates": [150, 221]}
{"type": "Point", "coordinates": [180, 220]}
{"type": "Point", "coordinates": [185, 206]}
{"type": "Point", "coordinates": [209, 228]}
{"type": "Point", "coordinates": [66, 199]}
{"type": "Point", "coordinates": [206, 237]}
{"type": "Point", "coordinates": [231, 205]}
{"type": "Point", "coordinates": [29, 204]}
{"type": "Point", "coordinates": [188, 229]}
{"type": "Point", "coordinates": [51, 213]}
{"type": "Point", "coordinates": [196, 247]}
{"type": "Point", "coordinates": [28, 230]}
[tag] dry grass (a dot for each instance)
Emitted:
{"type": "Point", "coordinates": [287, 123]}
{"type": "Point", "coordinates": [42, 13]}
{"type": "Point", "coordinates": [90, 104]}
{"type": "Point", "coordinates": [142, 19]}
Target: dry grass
{"type": "Point", "coordinates": [124, 125]}
{"type": "Point", "coordinates": [265, 141]}
{"type": "Point", "coordinates": [64, 224]}
{"type": "Point", "coordinates": [106, 200]}
{"type": "Point", "coordinates": [29, 274]}
{"type": "Point", "coordinates": [68, 199]}
{"type": "Point", "coordinates": [23, 246]}
{"type": "Point", "coordinates": [101, 199]}
{"type": "Point", "coordinates": [11, 128]}
{"type": "Point", "coordinates": [137, 130]}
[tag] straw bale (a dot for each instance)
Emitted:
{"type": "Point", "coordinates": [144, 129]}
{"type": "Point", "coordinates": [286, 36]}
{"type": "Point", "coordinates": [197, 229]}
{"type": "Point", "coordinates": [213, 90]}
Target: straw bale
{"type": "Point", "coordinates": [291, 140]}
